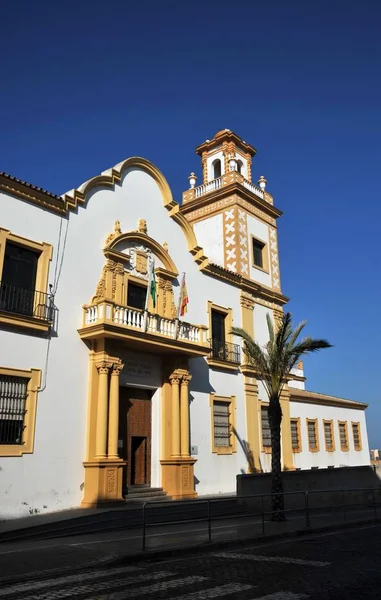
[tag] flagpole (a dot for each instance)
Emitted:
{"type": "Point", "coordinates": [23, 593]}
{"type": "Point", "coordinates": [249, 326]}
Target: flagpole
{"type": "Point", "coordinates": [145, 316]}
{"type": "Point", "coordinates": [177, 322]}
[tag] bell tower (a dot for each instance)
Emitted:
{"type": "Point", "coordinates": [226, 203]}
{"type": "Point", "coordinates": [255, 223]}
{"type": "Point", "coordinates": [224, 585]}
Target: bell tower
{"type": "Point", "coordinates": [234, 219]}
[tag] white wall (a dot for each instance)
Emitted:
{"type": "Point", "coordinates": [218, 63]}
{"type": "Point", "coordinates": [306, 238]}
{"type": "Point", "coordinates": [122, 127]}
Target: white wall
{"type": "Point", "coordinates": [210, 236]}
{"type": "Point", "coordinates": [323, 459]}
{"type": "Point", "coordinates": [260, 231]}
{"type": "Point", "coordinates": [261, 332]}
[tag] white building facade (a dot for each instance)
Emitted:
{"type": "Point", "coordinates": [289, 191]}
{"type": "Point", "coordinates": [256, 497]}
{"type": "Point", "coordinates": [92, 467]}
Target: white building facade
{"type": "Point", "coordinates": [101, 391]}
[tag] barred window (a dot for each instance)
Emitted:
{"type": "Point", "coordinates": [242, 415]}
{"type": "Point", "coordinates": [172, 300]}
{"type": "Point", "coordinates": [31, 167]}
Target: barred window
{"type": "Point", "coordinates": [343, 436]}
{"type": "Point", "coordinates": [312, 435]}
{"type": "Point", "coordinates": [356, 436]}
{"type": "Point", "coordinates": [266, 431]}
{"type": "Point", "coordinates": [221, 424]}
{"type": "Point", "coordinates": [295, 436]}
{"type": "Point", "coordinates": [13, 395]}
{"type": "Point", "coordinates": [328, 436]}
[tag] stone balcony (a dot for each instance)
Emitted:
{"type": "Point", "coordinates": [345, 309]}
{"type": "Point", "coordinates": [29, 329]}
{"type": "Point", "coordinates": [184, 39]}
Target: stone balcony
{"type": "Point", "coordinates": [232, 177]}
{"type": "Point", "coordinates": [143, 331]}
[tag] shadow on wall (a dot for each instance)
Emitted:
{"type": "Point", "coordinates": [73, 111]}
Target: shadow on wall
{"type": "Point", "coordinates": [199, 369]}
{"type": "Point", "coordinates": [246, 450]}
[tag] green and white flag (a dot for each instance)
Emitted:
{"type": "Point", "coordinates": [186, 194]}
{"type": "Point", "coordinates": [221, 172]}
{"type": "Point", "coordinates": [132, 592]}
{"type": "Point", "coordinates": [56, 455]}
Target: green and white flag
{"type": "Point", "coordinates": [151, 288]}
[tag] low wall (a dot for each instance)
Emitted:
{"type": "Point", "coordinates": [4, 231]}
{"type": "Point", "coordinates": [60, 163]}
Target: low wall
{"type": "Point", "coordinates": [324, 487]}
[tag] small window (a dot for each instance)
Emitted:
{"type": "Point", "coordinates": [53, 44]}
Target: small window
{"type": "Point", "coordinates": [266, 431]}
{"type": "Point", "coordinates": [216, 169]}
{"type": "Point", "coordinates": [239, 166]}
{"type": "Point", "coordinates": [312, 430]}
{"type": "Point", "coordinates": [328, 436]}
{"type": "Point", "coordinates": [343, 432]}
{"type": "Point", "coordinates": [13, 395]}
{"type": "Point", "coordinates": [258, 253]}
{"type": "Point", "coordinates": [356, 436]}
{"type": "Point", "coordinates": [295, 434]}
{"type": "Point", "coordinates": [136, 296]}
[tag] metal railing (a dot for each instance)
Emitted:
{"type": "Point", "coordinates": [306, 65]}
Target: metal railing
{"type": "Point", "coordinates": [240, 517]}
{"type": "Point", "coordinates": [225, 351]}
{"type": "Point", "coordinates": [31, 303]}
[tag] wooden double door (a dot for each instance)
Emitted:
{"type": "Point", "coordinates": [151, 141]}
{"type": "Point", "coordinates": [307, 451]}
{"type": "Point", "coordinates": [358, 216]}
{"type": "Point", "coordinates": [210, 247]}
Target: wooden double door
{"type": "Point", "coordinates": [135, 428]}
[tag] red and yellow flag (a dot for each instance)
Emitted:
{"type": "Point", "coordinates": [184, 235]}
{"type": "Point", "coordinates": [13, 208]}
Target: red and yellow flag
{"type": "Point", "coordinates": [184, 299]}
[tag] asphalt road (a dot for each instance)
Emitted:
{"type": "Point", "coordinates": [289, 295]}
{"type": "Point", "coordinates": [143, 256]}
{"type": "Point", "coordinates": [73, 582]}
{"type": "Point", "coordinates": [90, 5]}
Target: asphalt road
{"type": "Point", "coordinates": [336, 565]}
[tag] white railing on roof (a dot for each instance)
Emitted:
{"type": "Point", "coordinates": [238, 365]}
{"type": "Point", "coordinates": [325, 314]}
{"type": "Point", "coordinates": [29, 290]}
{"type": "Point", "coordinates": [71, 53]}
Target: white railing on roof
{"type": "Point", "coordinates": [253, 188]}
{"type": "Point", "coordinates": [211, 186]}
{"type": "Point", "coordinates": [216, 184]}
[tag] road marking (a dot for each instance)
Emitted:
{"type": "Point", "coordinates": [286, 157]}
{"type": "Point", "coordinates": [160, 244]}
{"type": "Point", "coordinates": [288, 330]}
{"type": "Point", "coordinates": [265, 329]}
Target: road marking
{"type": "Point", "coordinates": [148, 589]}
{"type": "Point", "coordinates": [40, 585]}
{"type": "Point", "coordinates": [282, 596]}
{"type": "Point", "coordinates": [279, 559]}
{"type": "Point", "coordinates": [216, 592]}
{"type": "Point", "coordinates": [86, 588]}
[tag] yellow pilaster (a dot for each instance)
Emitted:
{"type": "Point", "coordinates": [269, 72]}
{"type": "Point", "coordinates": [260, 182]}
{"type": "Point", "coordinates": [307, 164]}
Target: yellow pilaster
{"type": "Point", "coordinates": [247, 317]}
{"type": "Point", "coordinates": [175, 425]}
{"type": "Point", "coordinates": [287, 454]}
{"type": "Point", "coordinates": [252, 424]}
{"type": "Point", "coordinates": [101, 429]}
{"type": "Point", "coordinates": [113, 417]}
{"type": "Point", "coordinates": [184, 415]}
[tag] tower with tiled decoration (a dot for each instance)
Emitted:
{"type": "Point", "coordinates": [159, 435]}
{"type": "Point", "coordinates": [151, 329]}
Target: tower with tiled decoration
{"type": "Point", "coordinates": [234, 219]}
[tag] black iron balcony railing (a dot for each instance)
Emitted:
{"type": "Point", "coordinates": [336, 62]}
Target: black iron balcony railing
{"type": "Point", "coordinates": [225, 351]}
{"type": "Point", "coordinates": [31, 303]}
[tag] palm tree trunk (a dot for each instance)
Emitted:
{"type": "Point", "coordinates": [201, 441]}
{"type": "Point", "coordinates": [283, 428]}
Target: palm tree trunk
{"type": "Point", "coordinates": [277, 498]}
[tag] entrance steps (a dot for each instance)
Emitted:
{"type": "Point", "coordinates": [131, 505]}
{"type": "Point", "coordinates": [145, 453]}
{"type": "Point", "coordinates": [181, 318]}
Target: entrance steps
{"type": "Point", "coordinates": [145, 493]}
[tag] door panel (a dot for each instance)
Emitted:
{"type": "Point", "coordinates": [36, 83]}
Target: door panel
{"type": "Point", "coordinates": [135, 435]}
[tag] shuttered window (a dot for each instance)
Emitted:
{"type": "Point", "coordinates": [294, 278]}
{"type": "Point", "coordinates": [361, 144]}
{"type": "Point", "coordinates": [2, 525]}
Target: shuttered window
{"type": "Point", "coordinates": [356, 436]}
{"type": "Point", "coordinates": [343, 436]}
{"type": "Point", "coordinates": [328, 436]}
{"type": "Point", "coordinates": [221, 424]}
{"type": "Point", "coordinates": [312, 435]}
{"type": "Point", "coordinates": [266, 431]}
{"type": "Point", "coordinates": [13, 395]}
{"type": "Point", "coordinates": [295, 434]}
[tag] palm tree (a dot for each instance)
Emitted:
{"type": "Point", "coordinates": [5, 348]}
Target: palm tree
{"type": "Point", "coordinates": [273, 364]}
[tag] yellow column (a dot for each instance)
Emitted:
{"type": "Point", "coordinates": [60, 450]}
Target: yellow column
{"type": "Point", "coordinates": [113, 416]}
{"type": "Point", "coordinates": [175, 382]}
{"type": "Point", "coordinates": [184, 414]}
{"type": "Point", "coordinates": [100, 444]}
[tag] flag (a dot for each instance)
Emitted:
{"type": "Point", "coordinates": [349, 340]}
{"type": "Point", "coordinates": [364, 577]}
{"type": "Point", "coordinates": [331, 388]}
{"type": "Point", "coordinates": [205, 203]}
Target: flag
{"type": "Point", "coordinates": [184, 299]}
{"type": "Point", "coordinates": [151, 288]}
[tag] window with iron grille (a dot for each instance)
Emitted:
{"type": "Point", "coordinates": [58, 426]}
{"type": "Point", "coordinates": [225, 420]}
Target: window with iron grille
{"type": "Point", "coordinates": [295, 437]}
{"type": "Point", "coordinates": [312, 435]}
{"type": "Point", "coordinates": [13, 395]}
{"type": "Point", "coordinates": [266, 431]}
{"type": "Point", "coordinates": [221, 424]}
{"type": "Point", "coordinates": [328, 436]}
{"type": "Point", "coordinates": [356, 436]}
{"type": "Point", "coordinates": [343, 436]}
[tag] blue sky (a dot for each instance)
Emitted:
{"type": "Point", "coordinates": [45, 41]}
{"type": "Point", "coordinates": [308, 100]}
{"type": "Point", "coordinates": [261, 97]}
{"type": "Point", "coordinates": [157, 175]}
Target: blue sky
{"type": "Point", "coordinates": [85, 85]}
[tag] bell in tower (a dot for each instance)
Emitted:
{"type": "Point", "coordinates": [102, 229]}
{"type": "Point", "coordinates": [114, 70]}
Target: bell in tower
{"type": "Point", "coordinates": [234, 219]}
